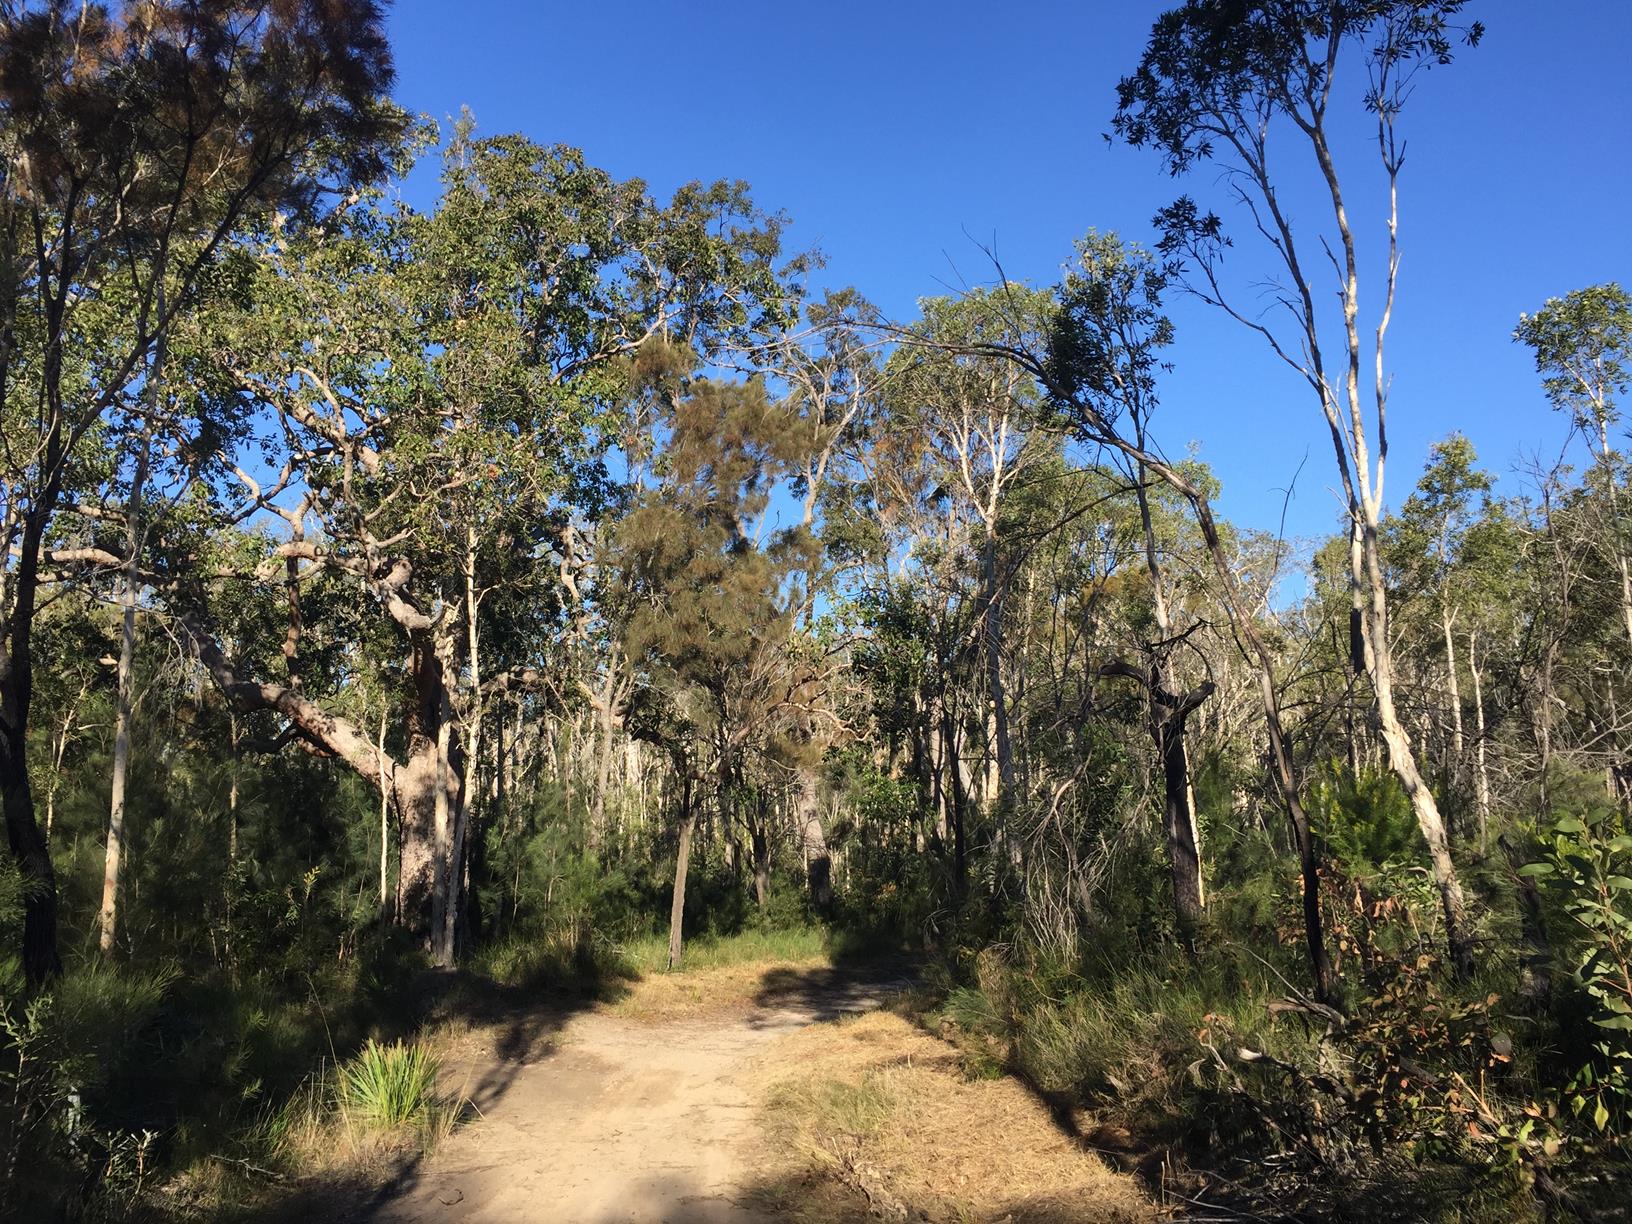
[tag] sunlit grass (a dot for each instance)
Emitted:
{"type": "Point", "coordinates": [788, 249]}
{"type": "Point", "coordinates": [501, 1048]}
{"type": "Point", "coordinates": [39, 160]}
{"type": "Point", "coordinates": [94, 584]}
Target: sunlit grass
{"type": "Point", "coordinates": [650, 954]}
{"type": "Point", "coordinates": [387, 1087]}
{"type": "Point", "coordinates": [715, 974]}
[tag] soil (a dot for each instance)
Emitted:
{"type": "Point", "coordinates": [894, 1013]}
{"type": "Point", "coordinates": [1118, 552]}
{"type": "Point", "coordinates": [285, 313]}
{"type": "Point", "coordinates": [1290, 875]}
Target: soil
{"type": "Point", "coordinates": [602, 1118]}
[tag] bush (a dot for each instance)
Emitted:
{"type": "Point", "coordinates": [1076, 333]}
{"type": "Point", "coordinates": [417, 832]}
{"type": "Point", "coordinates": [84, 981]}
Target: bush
{"type": "Point", "coordinates": [391, 1087]}
{"type": "Point", "coordinates": [1586, 867]}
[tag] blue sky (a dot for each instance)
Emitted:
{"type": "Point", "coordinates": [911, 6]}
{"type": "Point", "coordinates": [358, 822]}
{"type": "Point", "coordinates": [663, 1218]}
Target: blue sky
{"type": "Point", "coordinates": [899, 135]}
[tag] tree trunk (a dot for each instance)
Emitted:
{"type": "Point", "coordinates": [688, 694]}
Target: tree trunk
{"type": "Point", "coordinates": [444, 877]}
{"type": "Point", "coordinates": [27, 841]}
{"type": "Point", "coordinates": [1179, 821]}
{"type": "Point", "coordinates": [1168, 713]}
{"type": "Point", "coordinates": [605, 715]}
{"type": "Point", "coordinates": [465, 799]}
{"type": "Point", "coordinates": [385, 826]}
{"type": "Point", "coordinates": [960, 861]}
{"type": "Point", "coordinates": [761, 842]}
{"type": "Point", "coordinates": [818, 862]}
{"type": "Point", "coordinates": [1481, 771]}
{"type": "Point", "coordinates": [1282, 766]}
{"type": "Point", "coordinates": [232, 790]}
{"type": "Point", "coordinates": [682, 861]}
{"type": "Point", "coordinates": [1458, 751]}
{"type": "Point", "coordinates": [992, 639]}
{"type": "Point", "coordinates": [414, 793]}
{"type": "Point", "coordinates": [936, 764]}
{"type": "Point", "coordinates": [1403, 762]}
{"type": "Point", "coordinates": [125, 680]}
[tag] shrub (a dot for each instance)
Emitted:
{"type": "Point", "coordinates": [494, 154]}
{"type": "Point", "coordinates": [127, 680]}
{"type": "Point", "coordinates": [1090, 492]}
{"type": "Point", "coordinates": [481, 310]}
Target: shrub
{"type": "Point", "coordinates": [1587, 867]}
{"type": "Point", "coordinates": [390, 1087]}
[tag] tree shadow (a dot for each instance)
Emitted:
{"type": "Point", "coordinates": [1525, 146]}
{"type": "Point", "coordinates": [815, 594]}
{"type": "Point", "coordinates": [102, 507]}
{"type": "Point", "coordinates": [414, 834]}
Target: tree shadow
{"type": "Point", "coordinates": [517, 1026]}
{"type": "Point", "coordinates": [502, 1029]}
{"type": "Point", "coordinates": [822, 994]}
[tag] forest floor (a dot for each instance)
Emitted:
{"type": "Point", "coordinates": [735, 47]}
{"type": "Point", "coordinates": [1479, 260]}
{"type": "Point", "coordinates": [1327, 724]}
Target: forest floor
{"type": "Point", "coordinates": [735, 1094]}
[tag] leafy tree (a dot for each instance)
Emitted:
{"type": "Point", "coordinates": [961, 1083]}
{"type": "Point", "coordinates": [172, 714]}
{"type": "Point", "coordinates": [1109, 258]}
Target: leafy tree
{"type": "Point", "coordinates": [438, 384]}
{"type": "Point", "coordinates": [138, 141]}
{"type": "Point", "coordinates": [1583, 348]}
{"type": "Point", "coordinates": [1223, 81]}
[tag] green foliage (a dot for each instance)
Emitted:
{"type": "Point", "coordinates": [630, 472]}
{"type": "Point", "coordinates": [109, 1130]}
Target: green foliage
{"type": "Point", "coordinates": [892, 894]}
{"type": "Point", "coordinates": [385, 1087]}
{"type": "Point", "coordinates": [1583, 347]}
{"type": "Point", "coordinates": [579, 964]}
{"type": "Point", "coordinates": [1586, 865]}
{"type": "Point", "coordinates": [1364, 819]}
{"type": "Point", "coordinates": [65, 1059]}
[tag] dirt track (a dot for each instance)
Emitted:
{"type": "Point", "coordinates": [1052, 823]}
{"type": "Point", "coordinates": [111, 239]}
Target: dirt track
{"type": "Point", "coordinates": [616, 1120]}
{"type": "Point", "coordinates": [602, 1117]}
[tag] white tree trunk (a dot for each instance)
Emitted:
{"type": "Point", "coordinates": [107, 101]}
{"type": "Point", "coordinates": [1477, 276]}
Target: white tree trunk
{"type": "Point", "coordinates": [126, 677]}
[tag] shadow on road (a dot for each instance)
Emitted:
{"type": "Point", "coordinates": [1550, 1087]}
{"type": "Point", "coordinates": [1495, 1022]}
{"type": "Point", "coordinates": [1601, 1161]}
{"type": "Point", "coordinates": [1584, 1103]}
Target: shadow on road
{"type": "Point", "coordinates": [824, 993]}
{"type": "Point", "coordinates": [515, 1028]}
{"type": "Point", "coordinates": [514, 1025]}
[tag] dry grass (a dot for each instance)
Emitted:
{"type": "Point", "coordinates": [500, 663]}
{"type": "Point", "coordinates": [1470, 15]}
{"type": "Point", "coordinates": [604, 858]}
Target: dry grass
{"type": "Point", "coordinates": [663, 998]}
{"type": "Point", "coordinates": [880, 1119]}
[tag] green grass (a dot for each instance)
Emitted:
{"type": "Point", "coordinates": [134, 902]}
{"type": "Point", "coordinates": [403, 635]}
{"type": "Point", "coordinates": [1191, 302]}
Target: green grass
{"type": "Point", "coordinates": [559, 963]}
{"type": "Point", "coordinates": [650, 954]}
{"type": "Point", "coordinates": [391, 1087]}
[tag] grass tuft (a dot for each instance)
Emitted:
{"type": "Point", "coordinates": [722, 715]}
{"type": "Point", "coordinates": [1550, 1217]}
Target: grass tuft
{"type": "Point", "coordinates": [391, 1087]}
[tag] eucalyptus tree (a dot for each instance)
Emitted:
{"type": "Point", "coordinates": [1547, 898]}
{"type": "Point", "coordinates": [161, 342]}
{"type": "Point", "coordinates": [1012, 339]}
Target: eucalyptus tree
{"type": "Point", "coordinates": [1085, 384]}
{"type": "Point", "coordinates": [835, 374]}
{"type": "Point", "coordinates": [1112, 297]}
{"type": "Point", "coordinates": [138, 139]}
{"type": "Point", "coordinates": [970, 421]}
{"type": "Point", "coordinates": [1428, 539]}
{"type": "Point", "coordinates": [436, 386]}
{"type": "Point", "coordinates": [1222, 82]}
{"type": "Point", "coordinates": [1583, 350]}
{"type": "Point", "coordinates": [714, 599]}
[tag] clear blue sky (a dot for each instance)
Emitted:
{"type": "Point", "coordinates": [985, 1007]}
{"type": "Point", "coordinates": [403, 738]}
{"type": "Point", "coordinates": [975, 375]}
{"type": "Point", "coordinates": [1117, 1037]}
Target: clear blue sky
{"type": "Point", "coordinates": [897, 134]}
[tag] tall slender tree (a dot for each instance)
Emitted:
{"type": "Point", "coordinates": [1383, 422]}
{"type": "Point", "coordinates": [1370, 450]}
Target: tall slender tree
{"type": "Point", "coordinates": [1223, 82]}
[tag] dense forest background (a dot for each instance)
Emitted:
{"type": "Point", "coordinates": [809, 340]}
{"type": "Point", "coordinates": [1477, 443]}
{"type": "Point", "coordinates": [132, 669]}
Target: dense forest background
{"type": "Point", "coordinates": [497, 585]}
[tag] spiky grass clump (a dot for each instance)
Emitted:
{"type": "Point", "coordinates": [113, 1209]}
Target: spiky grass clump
{"type": "Point", "coordinates": [391, 1087]}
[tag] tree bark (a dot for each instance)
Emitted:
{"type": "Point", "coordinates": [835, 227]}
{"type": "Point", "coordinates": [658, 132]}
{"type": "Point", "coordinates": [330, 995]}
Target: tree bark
{"type": "Point", "coordinates": [760, 839]}
{"type": "Point", "coordinates": [682, 861]}
{"type": "Point", "coordinates": [606, 717]}
{"type": "Point", "coordinates": [444, 877]}
{"type": "Point", "coordinates": [955, 779]}
{"type": "Point", "coordinates": [385, 825]}
{"type": "Point", "coordinates": [818, 862]}
{"type": "Point", "coordinates": [1458, 748]}
{"type": "Point", "coordinates": [1481, 769]}
{"type": "Point", "coordinates": [1403, 762]}
{"type": "Point", "coordinates": [1179, 819]}
{"type": "Point", "coordinates": [27, 841]}
{"type": "Point", "coordinates": [1168, 714]}
{"type": "Point", "coordinates": [125, 679]}
{"type": "Point", "coordinates": [992, 640]}
{"type": "Point", "coordinates": [465, 799]}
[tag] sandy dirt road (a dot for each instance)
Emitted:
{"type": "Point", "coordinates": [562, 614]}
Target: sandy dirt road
{"type": "Point", "coordinates": [613, 1120]}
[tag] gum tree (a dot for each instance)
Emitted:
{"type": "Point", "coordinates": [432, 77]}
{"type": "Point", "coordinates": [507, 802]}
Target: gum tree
{"type": "Point", "coordinates": [137, 139]}
{"type": "Point", "coordinates": [1583, 348]}
{"type": "Point", "coordinates": [1224, 81]}
{"type": "Point", "coordinates": [437, 385]}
